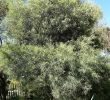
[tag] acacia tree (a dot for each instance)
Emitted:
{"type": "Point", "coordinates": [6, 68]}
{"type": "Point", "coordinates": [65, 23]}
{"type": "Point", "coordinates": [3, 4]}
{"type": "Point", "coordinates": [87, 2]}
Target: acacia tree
{"type": "Point", "coordinates": [40, 22]}
{"type": "Point", "coordinates": [70, 69]}
{"type": "Point", "coordinates": [65, 72]}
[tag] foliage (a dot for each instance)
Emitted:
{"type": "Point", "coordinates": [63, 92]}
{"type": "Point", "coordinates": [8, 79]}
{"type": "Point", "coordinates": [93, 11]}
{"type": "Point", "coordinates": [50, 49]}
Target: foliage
{"type": "Point", "coordinates": [39, 22]}
{"type": "Point", "coordinates": [106, 38]}
{"type": "Point", "coordinates": [56, 49]}
{"type": "Point", "coordinates": [97, 37]}
{"type": "Point", "coordinates": [4, 83]}
{"type": "Point", "coordinates": [60, 71]}
{"type": "Point", "coordinates": [3, 9]}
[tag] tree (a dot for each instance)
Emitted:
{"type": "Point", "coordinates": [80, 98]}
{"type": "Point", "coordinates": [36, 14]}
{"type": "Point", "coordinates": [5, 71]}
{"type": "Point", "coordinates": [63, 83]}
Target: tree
{"type": "Point", "coordinates": [106, 38]}
{"type": "Point", "coordinates": [3, 11]}
{"type": "Point", "coordinates": [41, 22]}
{"type": "Point", "coordinates": [53, 57]}
{"type": "Point", "coordinates": [63, 72]}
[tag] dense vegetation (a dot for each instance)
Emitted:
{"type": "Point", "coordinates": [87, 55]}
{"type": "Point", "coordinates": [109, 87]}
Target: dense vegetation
{"type": "Point", "coordinates": [54, 49]}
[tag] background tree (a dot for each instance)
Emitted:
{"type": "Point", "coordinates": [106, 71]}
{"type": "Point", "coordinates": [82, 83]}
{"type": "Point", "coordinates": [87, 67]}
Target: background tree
{"type": "Point", "coordinates": [3, 12]}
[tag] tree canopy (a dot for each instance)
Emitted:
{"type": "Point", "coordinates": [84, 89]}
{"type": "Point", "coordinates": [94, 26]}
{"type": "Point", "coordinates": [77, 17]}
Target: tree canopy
{"type": "Point", "coordinates": [56, 52]}
{"type": "Point", "coordinates": [40, 22]}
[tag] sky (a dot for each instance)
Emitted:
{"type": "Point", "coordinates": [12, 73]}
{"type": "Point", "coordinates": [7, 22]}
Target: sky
{"type": "Point", "coordinates": [105, 7]}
